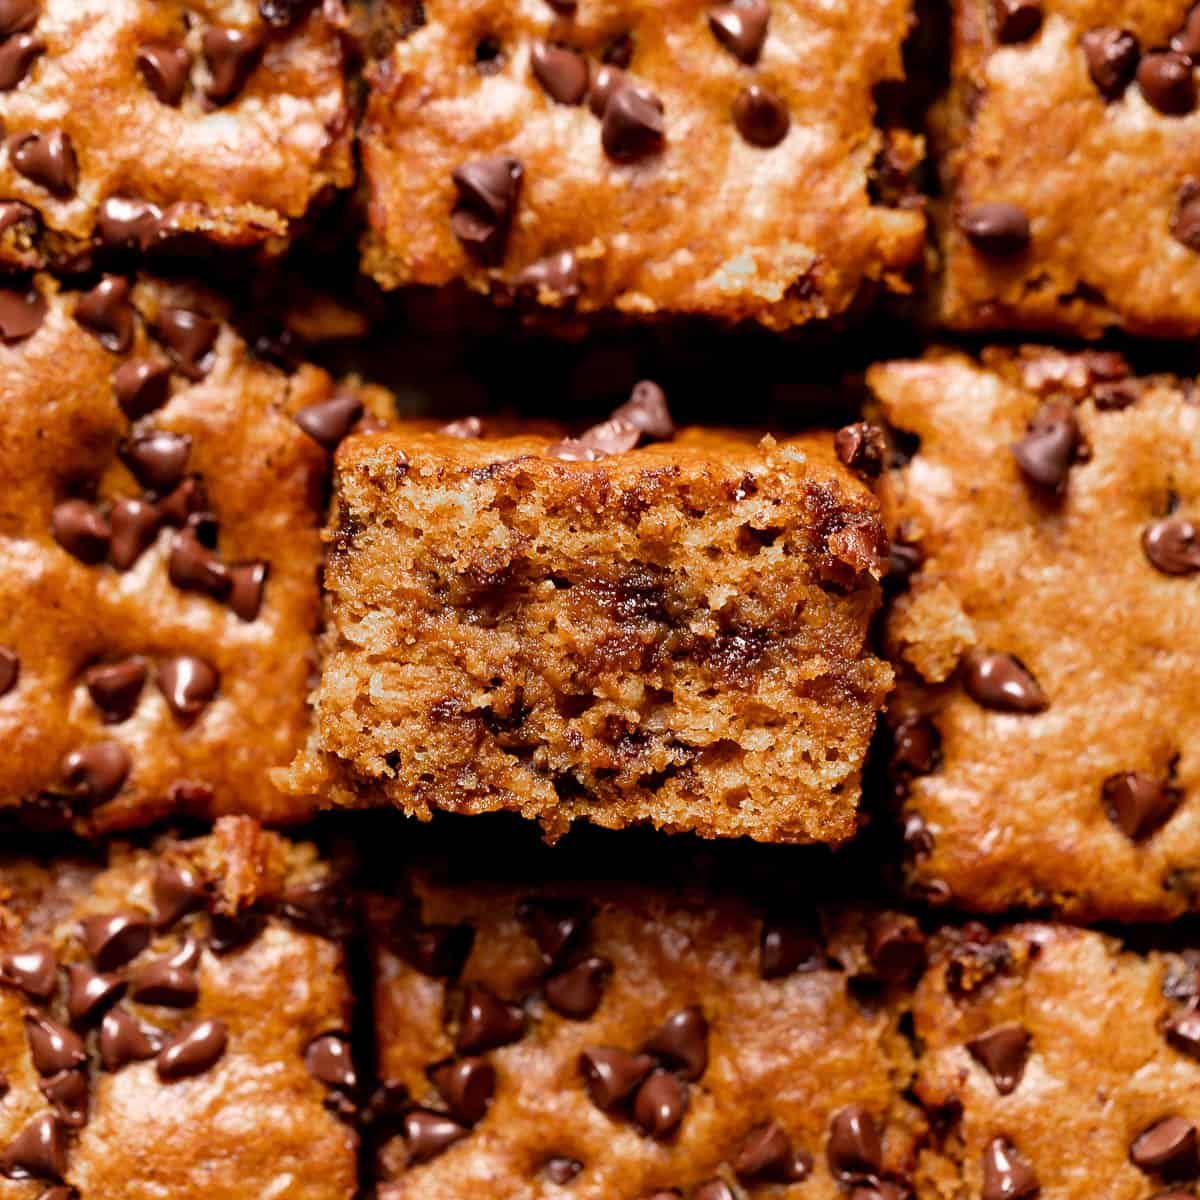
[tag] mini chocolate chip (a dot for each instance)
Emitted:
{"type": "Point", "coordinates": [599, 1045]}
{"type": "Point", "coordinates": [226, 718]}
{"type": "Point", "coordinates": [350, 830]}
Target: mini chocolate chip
{"type": "Point", "coordinates": [17, 55]}
{"type": "Point", "coordinates": [1002, 682]}
{"type": "Point", "coordinates": [576, 992]}
{"type": "Point", "coordinates": [896, 947]}
{"type": "Point", "coordinates": [741, 27]}
{"type": "Point", "coordinates": [1016, 20]}
{"type": "Point", "coordinates": [1002, 1052]}
{"type": "Point", "coordinates": [190, 337]}
{"type": "Point", "coordinates": [1167, 83]}
{"type": "Point", "coordinates": [611, 1075]}
{"type": "Point", "coordinates": [192, 566]}
{"type": "Point", "coordinates": [90, 994]}
{"type": "Point", "coordinates": [607, 80]}
{"type": "Point", "coordinates": [328, 1059]}
{"type": "Point", "coordinates": [177, 890]}
{"type": "Point", "coordinates": [124, 1040]}
{"type": "Point", "coordinates": [68, 1095]}
{"type": "Point", "coordinates": [115, 687]}
{"type": "Point", "coordinates": [167, 984]}
{"type": "Point", "coordinates": [187, 683]}
{"type": "Point", "coordinates": [1112, 59]}
{"type": "Point", "coordinates": [112, 939]}
{"type": "Point", "coordinates": [1006, 1174]}
{"type": "Point", "coordinates": [614, 436]}
{"type": "Point", "coordinates": [465, 427]}
{"type": "Point", "coordinates": [1137, 803]}
{"type": "Point", "coordinates": [158, 459]}
{"type": "Point", "coordinates": [135, 525]}
{"type": "Point", "coordinates": [682, 1040]}
{"type": "Point", "coordinates": [1185, 221]}
{"type": "Point", "coordinates": [39, 1151]}
{"type": "Point", "coordinates": [562, 72]}
{"type": "Point", "coordinates": [632, 126]}
{"type": "Point", "coordinates": [1172, 546]}
{"type": "Point", "coordinates": [861, 447]}
{"type": "Point", "coordinates": [10, 670]}
{"type": "Point", "coordinates": [97, 772]}
{"type": "Point", "coordinates": [488, 190]}
{"type": "Point", "coordinates": [855, 1148]}
{"type": "Point", "coordinates": [760, 116]}
{"type": "Point", "coordinates": [33, 970]}
{"type": "Point", "coordinates": [556, 273]}
{"type": "Point", "coordinates": [81, 530]}
{"type": "Point", "coordinates": [126, 222]}
{"type": "Point", "coordinates": [437, 950]}
{"type": "Point", "coordinates": [996, 229]}
{"type": "Point", "coordinates": [646, 410]}
{"type": "Point", "coordinates": [18, 16]}
{"type": "Point", "coordinates": [1184, 1034]}
{"type": "Point", "coordinates": [21, 314]}
{"type": "Point", "coordinates": [1046, 452]}
{"type": "Point", "coordinates": [428, 1134]}
{"type": "Point", "coordinates": [660, 1104]}
{"type": "Point", "coordinates": [467, 1086]}
{"type": "Point", "coordinates": [1168, 1148]}
{"type": "Point", "coordinates": [766, 1153]}
{"type": "Point", "coordinates": [327, 422]}
{"type": "Point", "coordinates": [165, 67]}
{"type": "Point", "coordinates": [141, 386]}
{"type": "Point", "coordinates": [231, 55]}
{"type": "Point", "coordinates": [53, 1047]}
{"type": "Point", "coordinates": [785, 948]}
{"type": "Point", "coordinates": [48, 159]}
{"type": "Point", "coordinates": [193, 1050]}
{"type": "Point", "coordinates": [556, 925]}
{"type": "Point", "coordinates": [562, 1170]}
{"type": "Point", "coordinates": [487, 1022]}
{"type": "Point", "coordinates": [246, 584]}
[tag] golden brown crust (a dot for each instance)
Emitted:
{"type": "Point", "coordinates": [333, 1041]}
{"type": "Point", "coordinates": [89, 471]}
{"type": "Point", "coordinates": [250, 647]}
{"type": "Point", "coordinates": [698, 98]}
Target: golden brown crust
{"type": "Point", "coordinates": [711, 224]}
{"type": "Point", "coordinates": [1013, 808]}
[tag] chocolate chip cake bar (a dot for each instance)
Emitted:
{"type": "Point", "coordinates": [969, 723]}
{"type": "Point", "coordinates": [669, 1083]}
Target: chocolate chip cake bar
{"type": "Point", "coordinates": [1049, 639]}
{"type": "Point", "coordinates": [1062, 1066]}
{"type": "Point", "coordinates": [138, 124]}
{"type": "Point", "coordinates": [175, 1023]}
{"type": "Point", "coordinates": [672, 633]}
{"type": "Point", "coordinates": [608, 1042]}
{"type": "Point", "coordinates": [1095, 222]}
{"type": "Point", "coordinates": [668, 157]}
{"type": "Point", "coordinates": [159, 549]}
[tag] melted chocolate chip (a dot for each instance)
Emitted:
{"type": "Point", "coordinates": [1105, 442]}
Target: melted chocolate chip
{"type": "Point", "coordinates": [1167, 83]}
{"type": "Point", "coordinates": [21, 314]}
{"type": "Point", "coordinates": [786, 948]}
{"type": "Point", "coordinates": [760, 116]}
{"type": "Point", "coordinates": [18, 16]}
{"type": "Point", "coordinates": [855, 1148]}
{"type": "Point", "coordinates": [660, 1104]}
{"type": "Point", "coordinates": [158, 459]}
{"type": "Point", "coordinates": [167, 984]}
{"type": "Point", "coordinates": [995, 229]}
{"type": "Point", "coordinates": [429, 1134]}
{"type": "Point", "coordinates": [123, 1040]}
{"type": "Point", "coordinates": [165, 66]}
{"type": "Point", "coordinates": [682, 1041]}
{"type": "Point", "coordinates": [33, 970]}
{"type": "Point", "coordinates": [632, 125]}
{"type": "Point", "coordinates": [141, 386]}
{"type": "Point", "coordinates": [188, 684]}
{"type": "Point", "coordinates": [193, 1050]}
{"type": "Point", "coordinates": [47, 159]}
{"type": "Point", "coordinates": [190, 337]}
{"type": "Point", "coordinates": [1172, 546]}
{"type": "Point", "coordinates": [488, 190]}
{"type": "Point", "coordinates": [467, 1086]}
{"type": "Point", "coordinates": [53, 1047]}
{"type": "Point", "coordinates": [611, 1075]}
{"type": "Point", "coordinates": [1138, 804]}
{"type": "Point", "coordinates": [17, 55]}
{"type": "Point", "coordinates": [81, 530]}
{"type": "Point", "coordinates": [90, 994]}
{"type": "Point", "coordinates": [576, 991]}
{"type": "Point", "coordinates": [134, 524]}
{"type": "Point", "coordinates": [177, 890]}
{"type": "Point", "coordinates": [556, 273]}
{"type": "Point", "coordinates": [1000, 682]}
{"type": "Point", "coordinates": [1047, 451]}
{"type": "Point", "coordinates": [562, 72]}
{"type": "Point", "coordinates": [766, 1153]}
{"type": "Point", "coordinates": [1112, 59]}
{"type": "Point", "coordinates": [126, 222]}
{"type": "Point", "coordinates": [327, 422]}
{"type": "Point", "coordinates": [487, 1022]}
{"type": "Point", "coordinates": [861, 447]}
{"type": "Point", "coordinates": [741, 27]}
{"type": "Point", "coordinates": [68, 1095]}
{"type": "Point", "coordinates": [112, 939]}
{"type": "Point", "coordinates": [1002, 1052]}
{"type": "Point", "coordinates": [1167, 1148]}
{"type": "Point", "coordinates": [97, 772]}
{"type": "Point", "coordinates": [896, 947]}
{"type": "Point", "coordinates": [231, 55]}
{"type": "Point", "coordinates": [1016, 20]}
{"type": "Point", "coordinates": [39, 1151]}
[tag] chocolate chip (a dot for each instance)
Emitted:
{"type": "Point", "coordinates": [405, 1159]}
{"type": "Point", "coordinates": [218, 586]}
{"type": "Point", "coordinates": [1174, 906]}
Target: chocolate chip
{"type": "Point", "coordinates": [556, 273]}
{"type": "Point", "coordinates": [1184, 1034]}
{"type": "Point", "coordinates": [1002, 1052]}
{"type": "Point", "coordinates": [158, 459]}
{"type": "Point", "coordinates": [785, 948]}
{"type": "Point", "coordinates": [611, 1075]}
{"type": "Point", "coordinates": [1046, 452]}
{"type": "Point", "coordinates": [97, 772]}
{"type": "Point", "coordinates": [10, 670]}
{"type": "Point", "coordinates": [576, 992]}
{"type": "Point", "coordinates": [465, 427]}
{"type": "Point", "coordinates": [996, 229]}
{"type": "Point", "coordinates": [467, 1087]}
{"type": "Point", "coordinates": [766, 1153]}
{"type": "Point", "coordinates": [714, 1189]}
{"type": "Point", "coordinates": [896, 947]}
{"type": "Point", "coordinates": [488, 189]}
{"type": "Point", "coordinates": [682, 1040]}
{"type": "Point", "coordinates": [437, 950]}
{"type": "Point", "coordinates": [861, 447]}
{"type": "Point", "coordinates": [177, 890]}
{"type": "Point", "coordinates": [21, 314]}
{"type": "Point", "coordinates": [53, 1047]}
{"type": "Point", "coordinates": [187, 506]}
{"type": "Point", "coordinates": [167, 984]}
{"type": "Point", "coordinates": [760, 116]}
{"type": "Point", "coordinates": [115, 687]}
{"type": "Point", "coordinates": [187, 683]}
{"type": "Point", "coordinates": [487, 1022]}
{"type": "Point", "coordinates": [17, 55]}
{"type": "Point", "coordinates": [187, 956]}
{"type": "Point", "coordinates": [123, 1040]}
{"type": "Point", "coordinates": [1016, 20]}
{"type": "Point", "coordinates": [915, 746]}
{"type": "Point", "coordinates": [975, 960]}
{"type": "Point", "coordinates": [68, 1095]}
{"type": "Point", "coordinates": [192, 566]}
{"type": "Point", "coordinates": [135, 525]}
{"type": "Point", "coordinates": [741, 27]}
{"type": "Point", "coordinates": [1137, 803]}
{"type": "Point", "coordinates": [33, 970]}
{"type": "Point", "coordinates": [328, 1059]}
{"type": "Point", "coordinates": [48, 159]}
{"type": "Point", "coordinates": [904, 561]}
{"type": "Point", "coordinates": [1002, 682]}
{"type": "Point", "coordinates": [855, 1148]}
{"type": "Point", "coordinates": [562, 1170]}
{"type": "Point", "coordinates": [231, 55]}
{"type": "Point", "coordinates": [193, 1050]}
{"type": "Point", "coordinates": [429, 1134]}
{"type": "Point", "coordinates": [190, 337]}
{"type": "Point", "coordinates": [128, 223]}
{"type": "Point", "coordinates": [1172, 546]}
{"type": "Point", "coordinates": [1006, 1174]}
{"type": "Point", "coordinates": [229, 933]}
{"type": "Point", "coordinates": [112, 939]}
{"type": "Point", "coordinates": [81, 530]}
{"type": "Point", "coordinates": [1112, 59]}
{"type": "Point", "coordinates": [562, 72]}
{"type": "Point", "coordinates": [660, 1104]}
{"type": "Point", "coordinates": [39, 1151]}
{"type": "Point", "coordinates": [327, 422]}
{"type": "Point", "coordinates": [1185, 221]}
{"type": "Point", "coordinates": [607, 80]}
{"type": "Point", "coordinates": [614, 436]}
{"type": "Point", "coordinates": [632, 126]}
{"type": "Point", "coordinates": [1168, 1148]}
{"type": "Point", "coordinates": [556, 925]}
{"type": "Point", "coordinates": [246, 584]}
{"type": "Point", "coordinates": [1167, 83]}
{"type": "Point", "coordinates": [141, 386]}
{"type": "Point", "coordinates": [165, 67]}
{"type": "Point", "coordinates": [90, 994]}
{"type": "Point", "coordinates": [646, 410]}
{"type": "Point", "coordinates": [18, 16]}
